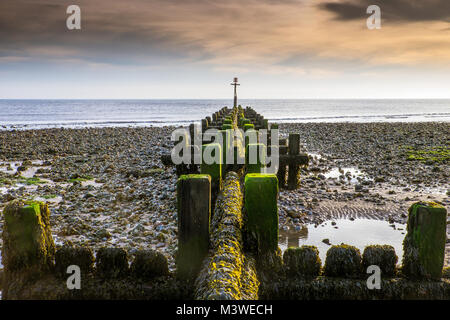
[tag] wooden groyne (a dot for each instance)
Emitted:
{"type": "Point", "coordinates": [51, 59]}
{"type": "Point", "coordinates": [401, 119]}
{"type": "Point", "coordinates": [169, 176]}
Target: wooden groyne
{"type": "Point", "coordinates": [34, 269]}
{"type": "Point", "coordinates": [227, 273]}
{"type": "Point", "coordinates": [227, 236]}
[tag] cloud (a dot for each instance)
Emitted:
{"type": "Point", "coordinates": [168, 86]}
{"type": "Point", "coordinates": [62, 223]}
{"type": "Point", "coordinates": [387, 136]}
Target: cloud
{"type": "Point", "coordinates": [134, 32]}
{"type": "Point", "coordinates": [392, 10]}
{"type": "Point", "coordinates": [292, 37]}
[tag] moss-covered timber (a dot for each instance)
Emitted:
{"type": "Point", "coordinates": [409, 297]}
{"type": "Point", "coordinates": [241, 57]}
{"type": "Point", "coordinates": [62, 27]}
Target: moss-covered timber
{"type": "Point", "coordinates": [27, 239]}
{"type": "Point", "coordinates": [194, 214]}
{"type": "Point", "coordinates": [255, 157]}
{"type": "Point", "coordinates": [424, 244]}
{"type": "Point", "coordinates": [248, 126]}
{"type": "Point", "coordinates": [149, 264]}
{"type": "Point", "coordinates": [148, 278]}
{"type": "Point", "coordinates": [243, 122]}
{"type": "Point", "coordinates": [80, 256]}
{"type": "Point", "coordinates": [112, 263]}
{"type": "Point", "coordinates": [330, 288]}
{"type": "Point", "coordinates": [261, 194]}
{"type": "Point", "coordinates": [303, 261]}
{"type": "Point", "coordinates": [380, 255]}
{"type": "Point", "coordinates": [227, 274]}
{"type": "Point", "coordinates": [28, 248]}
{"type": "Point", "coordinates": [213, 150]}
{"type": "Point", "coordinates": [343, 261]}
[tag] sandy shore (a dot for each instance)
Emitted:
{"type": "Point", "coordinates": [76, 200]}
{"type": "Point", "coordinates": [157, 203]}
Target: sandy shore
{"type": "Point", "coordinates": [107, 186]}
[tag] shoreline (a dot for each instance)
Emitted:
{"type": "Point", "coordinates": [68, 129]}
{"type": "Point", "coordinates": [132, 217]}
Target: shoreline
{"type": "Point", "coordinates": [107, 186]}
{"type": "Point", "coordinates": [395, 119]}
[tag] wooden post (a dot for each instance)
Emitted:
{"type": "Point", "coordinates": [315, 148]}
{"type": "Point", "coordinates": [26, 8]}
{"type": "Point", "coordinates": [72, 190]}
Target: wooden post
{"type": "Point", "coordinates": [213, 169]}
{"type": "Point", "coordinates": [194, 213]}
{"type": "Point", "coordinates": [204, 125]}
{"type": "Point", "coordinates": [255, 157]}
{"type": "Point", "coordinates": [235, 84]}
{"type": "Point", "coordinates": [281, 174]}
{"type": "Point", "coordinates": [28, 248]}
{"type": "Point", "coordinates": [424, 244]}
{"type": "Point", "coordinates": [261, 194]}
{"type": "Point", "coordinates": [294, 149]}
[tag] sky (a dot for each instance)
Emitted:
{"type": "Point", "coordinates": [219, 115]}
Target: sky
{"type": "Point", "coordinates": [192, 49]}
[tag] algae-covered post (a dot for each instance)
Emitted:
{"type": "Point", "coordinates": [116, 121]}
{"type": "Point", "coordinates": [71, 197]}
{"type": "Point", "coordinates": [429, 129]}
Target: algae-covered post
{"type": "Point", "coordinates": [194, 212]}
{"type": "Point", "coordinates": [261, 193]}
{"type": "Point", "coordinates": [204, 125]}
{"type": "Point", "coordinates": [27, 239]}
{"type": "Point", "coordinates": [212, 164]}
{"type": "Point", "coordinates": [424, 244]}
{"type": "Point", "coordinates": [380, 255]}
{"type": "Point", "coordinates": [28, 247]}
{"type": "Point", "coordinates": [303, 261]}
{"type": "Point", "coordinates": [255, 157]}
{"type": "Point", "coordinates": [343, 261]}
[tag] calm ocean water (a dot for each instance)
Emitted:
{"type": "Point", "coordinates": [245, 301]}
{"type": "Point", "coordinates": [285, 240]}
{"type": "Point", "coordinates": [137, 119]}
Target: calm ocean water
{"type": "Point", "coordinates": [28, 114]}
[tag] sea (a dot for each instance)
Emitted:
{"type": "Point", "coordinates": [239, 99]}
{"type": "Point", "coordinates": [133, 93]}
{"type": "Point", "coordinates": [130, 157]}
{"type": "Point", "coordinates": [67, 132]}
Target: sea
{"type": "Point", "coordinates": [41, 114]}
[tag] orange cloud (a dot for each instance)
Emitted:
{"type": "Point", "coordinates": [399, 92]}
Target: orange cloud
{"type": "Point", "coordinates": [287, 36]}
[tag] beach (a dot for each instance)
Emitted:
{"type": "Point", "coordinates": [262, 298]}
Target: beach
{"type": "Point", "coordinates": [108, 186]}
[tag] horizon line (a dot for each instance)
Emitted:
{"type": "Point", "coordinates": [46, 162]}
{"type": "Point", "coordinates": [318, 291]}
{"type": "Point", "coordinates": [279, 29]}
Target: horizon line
{"type": "Point", "coordinates": [231, 99]}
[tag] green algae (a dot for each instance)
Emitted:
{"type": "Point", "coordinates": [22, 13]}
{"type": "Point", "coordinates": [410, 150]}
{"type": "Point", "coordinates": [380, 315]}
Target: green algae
{"type": "Point", "coordinates": [303, 261]}
{"type": "Point", "coordinates": [343, 261]}
{"type": "Point", "coordinates": [261, 193]}
{"type": "Point", "coordinates": [226, 147]}
{"type": "Point", "coordinates": [227, 274]}
{"type": "Point", "coordinates": [248, 126]}
{"type": "Point", "coordinates": [30, 181]}
{"type": "Point", "coordinates": [381, 255]}
{"type": "Point", "coordinates": [328, 288]}
{"type": "Point", "coordinates": [27, 236]}
{"type": "Point", "coordinates": [5, 181]}
{"type": "Point", "coordinates": [255, 164]}
{"type": "Point", "coordinates": [80, 256]}
{"type": "Point", "coordinates": [446, 273]}
{"type": "Point", "coordinates": [428, 155]}
{"type": "Point", "coordinates": [80, 179]}
{"type": "Point", "coordinates": [214, 169]}
{"type": "Point", "coordinates": [424, 244]}
{"type": "Point", "coordinates": [49, 196]}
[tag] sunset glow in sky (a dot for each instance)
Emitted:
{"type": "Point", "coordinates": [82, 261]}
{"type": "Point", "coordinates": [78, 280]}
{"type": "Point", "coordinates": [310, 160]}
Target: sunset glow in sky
{"type": "Point", "coordinates": [193, 49]}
